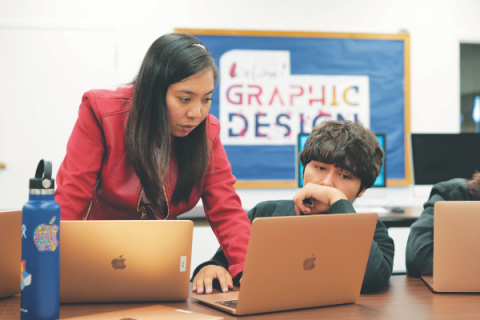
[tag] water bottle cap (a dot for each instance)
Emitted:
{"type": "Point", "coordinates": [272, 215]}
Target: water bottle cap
{"type": "Point", "coordinates": [43, 176]}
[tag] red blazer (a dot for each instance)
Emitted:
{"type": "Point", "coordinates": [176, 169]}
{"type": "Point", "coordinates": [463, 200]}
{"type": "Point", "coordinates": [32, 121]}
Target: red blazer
{"type": "Point", "coordinates": [96, 180]}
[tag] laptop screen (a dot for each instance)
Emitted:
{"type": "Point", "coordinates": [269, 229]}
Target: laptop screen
{"type": "Point", "coordinates": [441, 157]}
{"type": "Point", "coordinates": [302, 139]}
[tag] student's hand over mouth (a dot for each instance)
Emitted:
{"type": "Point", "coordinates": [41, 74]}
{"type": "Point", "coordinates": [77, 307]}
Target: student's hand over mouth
{"type": "Point", "coordinates": [314, 198]}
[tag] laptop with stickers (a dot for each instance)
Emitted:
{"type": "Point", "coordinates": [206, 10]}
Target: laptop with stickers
{"type": "Point", "coordinates": [300, 262]}
{"type": "Point", "coordinates": [125, 261]}
{"type": "Point", "coordinates": [10, 252]}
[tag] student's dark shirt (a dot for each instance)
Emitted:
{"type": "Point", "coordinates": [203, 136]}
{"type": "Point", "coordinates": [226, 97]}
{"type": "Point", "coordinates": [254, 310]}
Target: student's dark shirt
{"type": "Point", "coordinates": [380, 261]}
{"type": "Point", "coordinates": [419, 252]}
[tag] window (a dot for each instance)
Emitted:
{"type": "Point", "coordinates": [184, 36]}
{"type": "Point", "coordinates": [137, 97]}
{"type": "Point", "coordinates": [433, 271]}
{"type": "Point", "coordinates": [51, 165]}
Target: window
{"type": "Point", "coordinates": [470, 87]}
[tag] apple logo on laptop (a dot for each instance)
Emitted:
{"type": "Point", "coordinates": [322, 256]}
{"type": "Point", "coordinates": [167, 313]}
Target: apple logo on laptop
{"type": "Point", "coordinates": [309, 263]}
{"type": "Point", "coordinates": [119, 263]}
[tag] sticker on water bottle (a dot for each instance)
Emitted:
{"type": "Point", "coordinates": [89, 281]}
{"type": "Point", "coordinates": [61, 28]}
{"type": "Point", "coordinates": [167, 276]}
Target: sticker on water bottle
{"type": "Point", "coordinates": [24, 229]}
{"type": "Point", "coordinates": [45, 236]}
{"type": "Point", "coordinates": [26, 278]}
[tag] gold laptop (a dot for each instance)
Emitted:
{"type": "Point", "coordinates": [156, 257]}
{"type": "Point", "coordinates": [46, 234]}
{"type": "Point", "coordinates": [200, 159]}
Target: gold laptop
{"type": "Point", "coordinates": [301, 262]}
{"type": "Point", "coordinates": [10, 252]}
{"type": "Point", "coordinates": [456, 257]}
{"type": "Point", "coordinates": [154, 312]}
{"type": "Point", "coordinates": [125, 261]}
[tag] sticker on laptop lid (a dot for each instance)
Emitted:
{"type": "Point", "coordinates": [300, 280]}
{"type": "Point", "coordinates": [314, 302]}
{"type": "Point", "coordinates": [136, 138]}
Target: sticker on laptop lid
{"type": "Point", "coordinates": [183, 263]}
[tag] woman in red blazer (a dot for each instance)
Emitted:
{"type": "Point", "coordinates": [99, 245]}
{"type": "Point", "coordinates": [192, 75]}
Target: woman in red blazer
{"type": "Point", "coordinates": [151, 150]}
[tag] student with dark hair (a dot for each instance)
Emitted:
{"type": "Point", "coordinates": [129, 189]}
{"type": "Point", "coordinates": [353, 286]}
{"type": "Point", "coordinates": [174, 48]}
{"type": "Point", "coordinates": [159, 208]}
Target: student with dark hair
{"type": "Point", "coordinates": [151, 150]}
{"type": "Point", "coordinates": [419, 252]}
{"type": "Point", "coordinates": [341, 161]}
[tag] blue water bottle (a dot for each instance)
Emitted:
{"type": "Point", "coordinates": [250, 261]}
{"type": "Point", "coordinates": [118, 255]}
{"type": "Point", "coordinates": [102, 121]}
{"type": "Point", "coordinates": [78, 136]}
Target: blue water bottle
{"type": "Point", "coordinates": [40, 266]}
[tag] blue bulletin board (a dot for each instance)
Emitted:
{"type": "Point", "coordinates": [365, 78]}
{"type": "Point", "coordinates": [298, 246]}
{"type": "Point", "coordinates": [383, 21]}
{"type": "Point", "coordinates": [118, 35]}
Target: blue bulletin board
{"type": "Point", "coordinates": [370, 68]}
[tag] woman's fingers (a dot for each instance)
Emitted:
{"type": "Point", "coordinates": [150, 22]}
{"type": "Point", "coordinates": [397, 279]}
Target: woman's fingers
{"type": "Point", "coordinates": [204, 279]}
{"type": "Point", "coordinates": [225, 283]}
{"type": "Point", "coordinates": [229, 280]}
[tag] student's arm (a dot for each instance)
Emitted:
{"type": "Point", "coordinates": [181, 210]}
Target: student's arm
{"type": "Point", "coordinates": [419, 252]}
{"type": "Point", "coordinates": [380, 260]}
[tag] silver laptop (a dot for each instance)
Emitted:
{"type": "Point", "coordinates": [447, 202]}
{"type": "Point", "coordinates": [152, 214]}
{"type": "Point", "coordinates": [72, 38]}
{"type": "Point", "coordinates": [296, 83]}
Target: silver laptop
{"type": "Point", "coordinates": [125, 261]}
{"type": "Point", "coordinates": [10, 252]}
{"type": "Point", "coordinates": [301, 262]}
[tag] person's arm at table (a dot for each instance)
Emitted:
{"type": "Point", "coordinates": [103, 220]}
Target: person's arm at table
{"type": "Point", "coordinates": [222, 205]}
{"type": "Point", "coordinates": [205, 273]}
{"type": "Point", "coordinates": [380, 261]}
{"type": "Point", "coordinates": [216, 268]}
{"type": "Point", "coordinates": [419, 251]}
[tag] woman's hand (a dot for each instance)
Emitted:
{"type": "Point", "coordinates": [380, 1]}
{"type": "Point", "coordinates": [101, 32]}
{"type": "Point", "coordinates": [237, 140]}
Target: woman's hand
{"type": "Point", "coordinates": [315, 198]}
{"type": "Point", "coordinates": [205, 276]}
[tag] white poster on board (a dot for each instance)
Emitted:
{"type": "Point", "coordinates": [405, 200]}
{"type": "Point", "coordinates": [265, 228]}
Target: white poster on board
{"type": "Point", "coordinates": [261, 102]}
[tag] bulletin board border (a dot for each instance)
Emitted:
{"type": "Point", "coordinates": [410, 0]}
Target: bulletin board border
{"type": "Point", "coordinates": [405, 37]}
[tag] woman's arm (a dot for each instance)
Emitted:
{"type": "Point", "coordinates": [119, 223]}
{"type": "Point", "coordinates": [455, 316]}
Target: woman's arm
{"type": "Point", "coordinates": [78, 172]}
{"type": "Point", "coordinates": [223, 207]}
{"type": "Point", "coordinates": [200, 277]}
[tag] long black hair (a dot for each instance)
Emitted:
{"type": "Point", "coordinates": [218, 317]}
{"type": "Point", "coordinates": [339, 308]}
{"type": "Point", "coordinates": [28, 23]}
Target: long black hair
{"type": "Point", "coordinates": [170, 59]}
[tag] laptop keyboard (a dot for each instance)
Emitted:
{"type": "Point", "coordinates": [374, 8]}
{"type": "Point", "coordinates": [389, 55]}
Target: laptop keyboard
{"type": "Point", "coordinates": [228, 303]}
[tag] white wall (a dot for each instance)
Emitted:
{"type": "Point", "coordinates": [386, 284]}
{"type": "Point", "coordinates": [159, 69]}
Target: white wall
{"type": "Point", "coordinates": [436, 28]}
